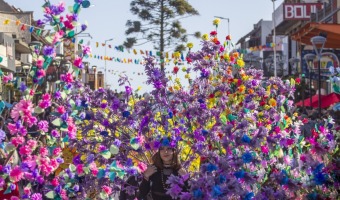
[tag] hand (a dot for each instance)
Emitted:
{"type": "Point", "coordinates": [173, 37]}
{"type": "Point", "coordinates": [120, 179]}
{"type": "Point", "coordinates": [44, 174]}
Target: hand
{"type": "Point", "coordinates": [182, 172]}
{"type": "Point", "coordinates": [149, 171]}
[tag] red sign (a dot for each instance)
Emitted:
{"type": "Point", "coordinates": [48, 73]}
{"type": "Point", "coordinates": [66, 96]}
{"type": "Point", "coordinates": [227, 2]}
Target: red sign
{"type": "Point", "coordinates": [300, 11]}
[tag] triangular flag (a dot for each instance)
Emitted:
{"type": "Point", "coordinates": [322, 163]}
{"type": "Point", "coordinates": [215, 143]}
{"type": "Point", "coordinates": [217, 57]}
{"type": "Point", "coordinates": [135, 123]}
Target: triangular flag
{"type": "Point", "coordinates": [135, 51]}
{"type": "Point", "coordinates": [6, 22]}
{"type": "Point", "coordinates": [166, 55]}
{"type": "Point", "coordinates": [31, 29]}
{"type": "Point", "coordinates": [17, 22]}
{"type": "Point", "coordinates": [23, 27]}
{"type": "Point", "coordinates": [141, 52]}
{"type": "Point", "coordinates": [38, 32]}
{"type": "Point", "coordinates": [110, 46]}
{"type": "Point", "coordinates": [97, 44]}
{"type": "Point", "coordinates": [103, 44]}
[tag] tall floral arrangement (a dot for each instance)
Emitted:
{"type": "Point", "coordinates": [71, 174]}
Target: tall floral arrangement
{"type": "Point", "coordinates": [38, 131]}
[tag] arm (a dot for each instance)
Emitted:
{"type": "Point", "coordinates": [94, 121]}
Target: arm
{"type": "Point", "coordinates": [144, 189]}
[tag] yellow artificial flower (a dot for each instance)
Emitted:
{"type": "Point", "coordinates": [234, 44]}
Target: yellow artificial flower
{"type": "Point", "coordinates": [177, 80]}
{"type": "Point", "coordinates": [177, 87]}
{"type": "Point", "coordinates": [184, 69]}
{"type": "Point", "coordinates": [139, 88]}
{"type": "Point", "coordinates": [170, 78]}
{"type": "Point", "coordinates": [272, 102]}
{"type": "Point", "coordinates": [205, 37]}
{"type": "Point", "coordinates": [187, 76]}
{"type": "Point", "coordinates": [216, 21]}
{"type": "Point", "coordinates": [190, 45]}
{"type": "Point", "coordinates": [177, 54]}
{"type": "Point", "coordinates": [240, 63]}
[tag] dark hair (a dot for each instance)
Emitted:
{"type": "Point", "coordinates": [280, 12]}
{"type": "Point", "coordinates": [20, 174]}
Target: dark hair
{"type": "Point", "coordinates": [157, 160]}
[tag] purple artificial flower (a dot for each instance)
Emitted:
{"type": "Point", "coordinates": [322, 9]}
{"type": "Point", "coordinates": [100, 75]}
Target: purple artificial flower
{"type": "Point", "coordinates": [48, 51]}
{"type": "Point", "coordinates": [2, 136]}
{"type": "Point", "coordinates": [36, 196]}
{"type": "Point", "coordinates": [40, 23]}
{"type": "Point", "coordinates": [13, 186]}
{"type": "Point", "coordinates": [60, 160]}
{"type": "Point", "coordinates": [57, 95]}
{"type": "Point", "coordinates": [83, 27]}
{"type": "Point", "coordinates": [117, 142]}
{"type": "Point", "coordinates": [6, 169]}
{"type": "Point", "coordinates": [23, 87]}
{"type": "Point", "coordinates": [128, 90]}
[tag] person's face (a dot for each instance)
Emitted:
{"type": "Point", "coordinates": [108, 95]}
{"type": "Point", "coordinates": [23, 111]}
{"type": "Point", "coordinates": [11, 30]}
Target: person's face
{"type": "Point", "coordinates": [167, 154]}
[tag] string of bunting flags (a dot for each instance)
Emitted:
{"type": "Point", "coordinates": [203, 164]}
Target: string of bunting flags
{"type": "Point", "coordinates": [167, 58]}
{"type": "Point", "coordinates": [24, 26]}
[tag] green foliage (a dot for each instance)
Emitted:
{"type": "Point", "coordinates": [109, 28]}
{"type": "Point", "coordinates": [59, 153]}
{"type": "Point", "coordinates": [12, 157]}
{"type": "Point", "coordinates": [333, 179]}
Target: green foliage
{"type": "Point", "coordinates": [159, 23]}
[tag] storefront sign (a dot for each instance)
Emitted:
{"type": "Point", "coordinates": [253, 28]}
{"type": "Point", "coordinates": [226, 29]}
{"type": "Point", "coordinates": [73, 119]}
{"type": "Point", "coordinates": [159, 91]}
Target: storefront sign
{"type": "Point", "coordinates": [300, 11]}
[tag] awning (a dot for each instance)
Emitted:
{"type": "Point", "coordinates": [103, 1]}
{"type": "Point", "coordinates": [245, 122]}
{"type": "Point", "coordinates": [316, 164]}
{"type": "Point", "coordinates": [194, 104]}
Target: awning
{"type": "Point", "coordinates": [22, 47]}
{"type": "Point", "coordinates": [312, 29]}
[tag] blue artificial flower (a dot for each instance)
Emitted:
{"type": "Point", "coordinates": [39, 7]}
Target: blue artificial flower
{"type": "Point", "coordinates": [171, 114]}
{"type": "Point", "coordinates": [88, 116]}
{"type": "Point", "coordinates": [246, 139]}
{"type": "Point", "coordinates": [200, 100]}
{"type": "Point", "coordinates": [126, 114]}
{"type": "Point", "coordinates": [83, 27]}
{"type": "Point", "coordinates": [222, 179]}
{"type": "Point", "coordinates": [197, 194]}
{"type": "Point", "coordinates": [165, 142]}
{"type": "Point", "coordinates": [204, 132]}
{"type": "Point", "coordinates": [285, 178]}
{"type": "Point", "coordinates": [216, 191]}
{"type": "Point", "coordinates": [239, 174]}
{"type": "Point", "coordinates": [84, 104]}
{"type": "Point", "coordinates": [211, 167]}
{"type": "Point", "coordinates": [320, 178]}
{"type": "Point", "coordinates": [312, 196]}
{"type": "Point", "coordinates": [247, 157]}
{"type": "Point", "coordinates": [104, 133]}
{"type": "Point", "coordinates": [23, 87]}
{"type": "Point", "coordinates": [249, 196]}
{"type": "Point", "coordinates": [318, 168]}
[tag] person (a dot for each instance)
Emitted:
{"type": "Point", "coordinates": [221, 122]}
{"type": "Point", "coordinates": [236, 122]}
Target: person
{"type": "Point", "coordinates": [165, 163]}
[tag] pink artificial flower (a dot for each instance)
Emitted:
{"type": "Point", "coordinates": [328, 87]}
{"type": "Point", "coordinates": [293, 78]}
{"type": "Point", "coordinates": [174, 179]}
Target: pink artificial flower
{"type": "Point", "coordinates": [68, 77]}
{"type": "Point", "coordinates": [86, 50]}
{"type": "Point", "coordinates": [40, 63]}
{"type": "Point", "coordinates": [16, 141]}
{"type": "Point", "coordinates": [72, 131]}
{"type": "Point", "coordinates": [27, 190]}
{"type": "Point", "coordinates": [43, 151]}
{"type": "Point", "coordinates": [15, 198]}
{"type": "Point", "coordinates": [31, 121]}
{"type": "Point", "coordinates": [94, 169]}
{"type": "Point", "coordinates": [55, 182]}
{"type": "Point", "coordinates": [22, 108]}
{"type": "Point", "coordinates": [43, 126]}
{"type": "Point", "coordinates": [32, 92]}
{"type": "Point", "coordinates": [80, 169]}
{"type": "Point", "coordinates": [63, 195]}
{"type": "Point", "coordinates": [54, 163]}
{"type": "Point", "coordinates": [264, 149]}
{"type": "Point", "coordinates": [25, 150]}
{"type": "Point", "coordinates": [107, 189]}
{"type": "Point", "coordinates": [41, 73]}
{"type": "Point", "coordinates": [78, 62]}
{"type": "Point", "coordinates": [303, 158]}
{"type": "Point", "coordinates": [6, 79]}
{"type": "Point", "coordinates": [12, 128]}
{"type": "Point", "coordinates": [47, 10]}
{"type": "Point", "coordinates": [142, 167]}
{"type": "Point", "coordinates": [16, 174]}
{"type": "Point", "coordinates": [32, 143]}
{"type": "Point", "coordinates": [57, 151]}
{"type": "Point", "coordinates": [61, 109]}
{"type": "Point", "coordinates": [213, 33]}
{"type": "Point", "coordinates": [68, 24]}
{"type": "Point", "coordinates": [46, 97]}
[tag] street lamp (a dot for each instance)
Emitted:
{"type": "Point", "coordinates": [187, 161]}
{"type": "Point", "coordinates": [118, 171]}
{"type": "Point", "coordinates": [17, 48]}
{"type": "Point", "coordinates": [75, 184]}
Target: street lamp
{"type": "Point", "coordinates": [105, 80]}
{"type": "Point", "coordinates": [228, 20]}
{"type": "Point", "coordinates": [318, 44]}
{"type": "Point", "coordinates": [274, 37]}
{"type": "Point", "coordinates": [310, 62]}
{"type": "Point", "coordinates": [293, 62]}
{"type": "Point", "coordinates": [94, 68]}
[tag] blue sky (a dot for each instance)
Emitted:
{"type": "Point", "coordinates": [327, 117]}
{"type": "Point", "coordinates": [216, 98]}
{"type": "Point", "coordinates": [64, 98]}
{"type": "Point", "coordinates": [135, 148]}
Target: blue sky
{"type": "Point", "coordinates": [107, 19]}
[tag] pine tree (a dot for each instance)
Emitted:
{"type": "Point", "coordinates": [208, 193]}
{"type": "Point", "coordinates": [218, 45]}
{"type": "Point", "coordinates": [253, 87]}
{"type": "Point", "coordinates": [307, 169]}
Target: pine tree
{"type": "Point", "coordinates": [160, 24]}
